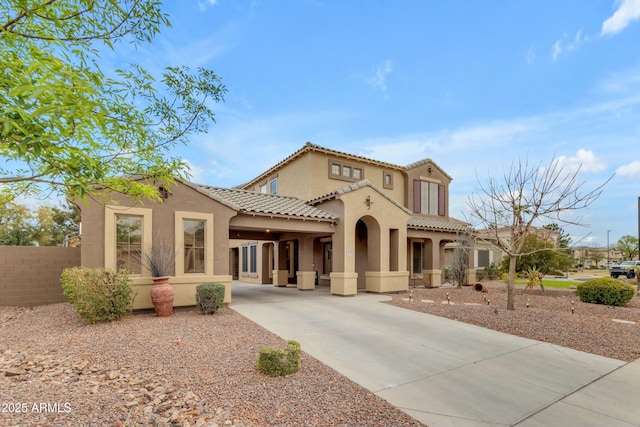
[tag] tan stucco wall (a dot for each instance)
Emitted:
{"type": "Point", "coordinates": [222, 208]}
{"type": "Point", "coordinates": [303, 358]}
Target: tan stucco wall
{"type": "Point", "coordinates": [307, 177]}
{"type": "Point", "coordinates": [381, 216]}
{"type": "Point", "coordinates": [422, 172]}
{"type": "Point", "coordinates": [183, 203]}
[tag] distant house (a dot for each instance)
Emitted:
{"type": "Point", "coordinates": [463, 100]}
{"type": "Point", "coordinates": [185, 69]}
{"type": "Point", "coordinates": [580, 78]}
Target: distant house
{"type": "Point", "coordinates": [319, 217]}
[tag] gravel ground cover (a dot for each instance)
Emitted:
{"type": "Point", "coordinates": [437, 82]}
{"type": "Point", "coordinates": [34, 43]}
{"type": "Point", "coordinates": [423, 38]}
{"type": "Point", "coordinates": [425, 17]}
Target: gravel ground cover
{"type": "Point", "coordinates": [57, 371]}
{"type": "Point", "coordinates": [598, 329]}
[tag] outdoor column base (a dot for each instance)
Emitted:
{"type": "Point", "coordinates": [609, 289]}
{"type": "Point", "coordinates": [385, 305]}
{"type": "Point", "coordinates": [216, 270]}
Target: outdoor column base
{"type": "Point", "coordinates": [280, 278]}
{"type": "Point", "coordinates": [344, 284]}
{"type": "Point", "coordinates": [306, 280]}
{"type": "Point", "coordinates": [386, 281]}
{"type": "Point", "coordinates": [435, 277]}
{"type": "Point", "coordinates": [471, 276]}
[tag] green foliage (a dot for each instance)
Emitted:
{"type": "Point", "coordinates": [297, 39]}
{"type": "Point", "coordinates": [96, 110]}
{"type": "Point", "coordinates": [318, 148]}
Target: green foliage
{"type": "Point", "coordinates": [98, 295]}
{"type": "Point", "coordinates": [69, 125]}
{"type": "Point", "coordinates": [605, 290]}
{"type": "Point", "coordinates": [209, 297]}
{"type": "Point", "coordinates": [628, 245]}
{"type": "Point", "coordinates": [491, 271]}
{"type": "Point", "coordinates": [279, 362]}
{"type": "Point", "coordinates": [47, 226]}
{"type": "Point", "coordinates": [447, 273]}
{"type": "Point", "coordinates": [534, 278]}
{"type": "Point", "coordinates": [540, 254]}
{"type": "Point", "coordinates": [16, 226]}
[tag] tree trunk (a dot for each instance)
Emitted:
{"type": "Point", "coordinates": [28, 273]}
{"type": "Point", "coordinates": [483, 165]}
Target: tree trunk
{"type": "Point", "coordinates": [511, 283]}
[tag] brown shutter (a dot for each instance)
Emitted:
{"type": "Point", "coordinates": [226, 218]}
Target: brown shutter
{"type": "Point", "coordinates": [416, 195]}
{"type": "Point", "coordinates": [441, 201]}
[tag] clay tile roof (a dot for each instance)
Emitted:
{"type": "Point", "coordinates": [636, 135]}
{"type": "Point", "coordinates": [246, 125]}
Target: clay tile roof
{"type": "Point", "coordinates": [426, 223]}
{"type": "Point", "coordinates": [265, 204]}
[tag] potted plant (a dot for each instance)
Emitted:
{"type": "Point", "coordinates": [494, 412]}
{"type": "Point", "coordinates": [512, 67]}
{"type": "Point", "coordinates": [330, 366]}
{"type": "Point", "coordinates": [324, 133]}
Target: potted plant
{"type": "Point", "coordinates": [160, 261]}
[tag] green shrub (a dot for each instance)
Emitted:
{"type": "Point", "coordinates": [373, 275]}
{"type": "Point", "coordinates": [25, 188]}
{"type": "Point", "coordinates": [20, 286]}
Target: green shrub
{"type": "Point", "coordinates": [279, 362]}
{"type": "Point", "coordinates": [492, 271]}
{"type": "Point", "coordinates": [98, 295]}
{"type": "Point", "coordinates": [209, 297]}
{"type": "Point", "coordinates": [605, 290]}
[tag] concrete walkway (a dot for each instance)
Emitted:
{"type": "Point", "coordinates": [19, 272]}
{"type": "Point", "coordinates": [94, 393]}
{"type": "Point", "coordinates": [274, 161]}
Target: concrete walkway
{"type": "Point", "coordinates": [446, 373]}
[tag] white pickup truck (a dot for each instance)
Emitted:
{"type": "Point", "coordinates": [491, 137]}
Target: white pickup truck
{"type": "Point", "coordinates": [623, 268]}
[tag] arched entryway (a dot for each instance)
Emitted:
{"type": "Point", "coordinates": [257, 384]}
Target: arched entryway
{"type": "Point", "coordinates": [367, 248]}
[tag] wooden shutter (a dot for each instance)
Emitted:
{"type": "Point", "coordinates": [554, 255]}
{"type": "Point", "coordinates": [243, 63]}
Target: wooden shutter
{"type": "Point", "coordinates": [441, 201]}
{"type": "Point", "coordinates": [416, 195]}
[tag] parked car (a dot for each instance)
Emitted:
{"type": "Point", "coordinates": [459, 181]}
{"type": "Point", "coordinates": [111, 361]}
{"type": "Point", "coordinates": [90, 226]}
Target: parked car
{"type": "Point", "coordinates": [622, 269]}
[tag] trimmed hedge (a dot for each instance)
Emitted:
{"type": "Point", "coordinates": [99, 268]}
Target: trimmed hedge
{"type": "Point", "coordinates": [279, 362]}
{"type": "Point", "coordinates": [98, 295]}
{"type": "Point", "coordinates": [209, 297]}
{"type": "Point", "coordinates": [605, 290]}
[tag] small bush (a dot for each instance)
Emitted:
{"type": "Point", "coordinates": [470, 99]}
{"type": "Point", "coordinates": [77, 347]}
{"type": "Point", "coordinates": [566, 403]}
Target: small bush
{"type": "Point", "coordinates": [98, 295]}
{"type": "Point", "coordinates": [605, 290]}
{"type": "Point", "coordinates": [209, 297]}
{"type": "Point", "coordinates": [279, 362]}
{"type": "Point", "coordinates": [492, 271]}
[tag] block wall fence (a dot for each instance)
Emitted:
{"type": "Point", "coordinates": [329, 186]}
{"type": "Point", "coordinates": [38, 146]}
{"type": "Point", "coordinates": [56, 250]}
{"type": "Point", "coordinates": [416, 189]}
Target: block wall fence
{"type": "Point", "coordinates": [30, 275]}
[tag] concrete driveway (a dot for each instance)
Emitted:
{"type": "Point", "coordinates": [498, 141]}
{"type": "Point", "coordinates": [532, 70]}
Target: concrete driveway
{"type": "Point", "coordinates": [446, 373]}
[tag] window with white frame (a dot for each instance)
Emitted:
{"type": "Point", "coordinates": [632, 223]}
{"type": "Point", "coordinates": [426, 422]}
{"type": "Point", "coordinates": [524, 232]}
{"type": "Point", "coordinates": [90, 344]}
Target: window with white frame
{"type": "Point", "coordinates": [273, 186]}
{"type": "Point", "coordinates": [253, 259]}
{"type": "Point", "coordinates": [250, 259]}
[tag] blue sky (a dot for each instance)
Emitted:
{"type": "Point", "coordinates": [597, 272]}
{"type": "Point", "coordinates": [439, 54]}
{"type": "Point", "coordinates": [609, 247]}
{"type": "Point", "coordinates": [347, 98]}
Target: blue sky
{"type": "Point", "coordinates": [472, 85]}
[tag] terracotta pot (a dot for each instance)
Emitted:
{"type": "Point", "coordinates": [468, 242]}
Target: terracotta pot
{"type": "Point", "coordinates": [162, 296]}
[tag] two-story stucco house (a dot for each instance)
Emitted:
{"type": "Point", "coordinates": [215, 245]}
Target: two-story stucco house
{"type": "Point", "coordinates": [319, 217]}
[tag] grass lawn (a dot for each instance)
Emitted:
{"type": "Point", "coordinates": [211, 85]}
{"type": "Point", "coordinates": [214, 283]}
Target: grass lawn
{"type": "Point", "coordinates": [552, 283]}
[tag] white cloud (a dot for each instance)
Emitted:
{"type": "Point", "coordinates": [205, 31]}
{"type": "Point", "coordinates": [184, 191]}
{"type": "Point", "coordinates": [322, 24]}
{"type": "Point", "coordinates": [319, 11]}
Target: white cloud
{"type": "Point", "coordinates": [531, 55]}
{"type": "Point", "coordinates": [195, 171]}
{"type": "Point", "coordinates": [627, 12]}
{"type": "Point", "coordinates": [380, 78]}
{"type": "Point", "coordinates": [585, 160]}
{"type": "Point", "coordinates": [205, 4]}
{"type": "Point", "coordinates": [631, 170]}
{"type": "Point", "coordinates": [566, 44]}
{"type": "Point", "coordinates": [556, 50]}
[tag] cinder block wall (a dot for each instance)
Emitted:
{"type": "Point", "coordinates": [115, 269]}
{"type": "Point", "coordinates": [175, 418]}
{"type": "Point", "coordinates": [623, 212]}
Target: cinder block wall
{"type": "Point", "coordinates": [30, 275]}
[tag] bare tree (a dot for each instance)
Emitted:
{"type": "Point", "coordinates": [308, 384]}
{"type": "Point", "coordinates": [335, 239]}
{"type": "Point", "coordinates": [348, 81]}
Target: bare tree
{"type": "Point", "coordinates": [528, 197]}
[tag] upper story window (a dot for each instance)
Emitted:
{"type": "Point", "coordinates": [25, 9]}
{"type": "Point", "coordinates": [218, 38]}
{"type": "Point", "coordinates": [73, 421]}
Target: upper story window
{"type": "Point", "coordinates": [273, 186]}
{"type": "Point", "coordinates": [263, 188]}
{"type": "Point", "coordinates": [345, 172]}
{"type": "Point", "coordinates": [129, 243]}
{"type": "Point", "coordinates": [428, 198]}
{"type": "Point", "coordinates": [387, 180]}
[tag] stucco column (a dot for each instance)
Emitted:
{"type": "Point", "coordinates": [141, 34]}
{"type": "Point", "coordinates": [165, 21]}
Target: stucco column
{"type": "Point", "coordinates": [431, 263]}
{"type": "Point", "coordinates": [280, 273]}
{"type": "Point", "coordinates": [305, 276]}
{"type": "Point", "coordinates": [471, 270]}
{"type": "Point", "coordinates": [344, 279]}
